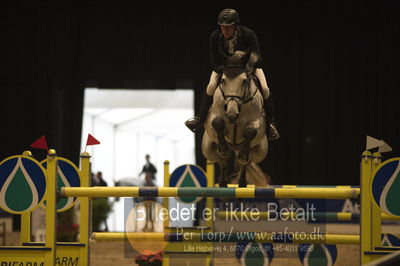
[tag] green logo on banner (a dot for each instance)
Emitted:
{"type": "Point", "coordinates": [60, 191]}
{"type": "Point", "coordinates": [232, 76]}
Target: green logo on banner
{"type": "Point", "coordinates": [67, 176]}
{"type": "Point", "coordinates": [254, 255]}
{"type": "Point", "coordinates": [385, 186]}
{"type": "Point", "coordinates": [188, 175]}
{"type": "Point", "coordinates": [22, 184]}
{"type": "Point", "coordinates": [318, 254]}
{"type": "Point", "coordinates": [188, 180]}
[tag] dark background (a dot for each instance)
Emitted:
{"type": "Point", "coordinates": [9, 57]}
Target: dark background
{"type": "Point", "coordinates": [332, 67]}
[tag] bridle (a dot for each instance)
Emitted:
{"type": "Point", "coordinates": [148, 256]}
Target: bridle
{"type": "Point", "coordinates": [246, 97]}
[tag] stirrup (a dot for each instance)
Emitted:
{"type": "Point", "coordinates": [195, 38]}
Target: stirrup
{"type": "Point", "coordinates": [193, 123]}
{"type": "Point", "coordinates": [272, 132]}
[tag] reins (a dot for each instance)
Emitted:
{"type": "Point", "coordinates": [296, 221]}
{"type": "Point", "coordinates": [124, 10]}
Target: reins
{"type": "Point", "coordinates": [240, 98]}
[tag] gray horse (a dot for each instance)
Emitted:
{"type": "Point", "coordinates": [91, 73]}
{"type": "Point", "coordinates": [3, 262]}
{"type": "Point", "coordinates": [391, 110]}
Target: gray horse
{"type": "Point", "coordinates": [235, 126]}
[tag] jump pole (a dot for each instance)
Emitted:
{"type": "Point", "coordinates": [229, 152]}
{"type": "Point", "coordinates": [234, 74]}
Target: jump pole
{"type": "Point", "coordinates": [325, 216]}
{"type": "Point", "coordinates": [266, 193]}
{"type": "Point", "coordinates": [261, 237]}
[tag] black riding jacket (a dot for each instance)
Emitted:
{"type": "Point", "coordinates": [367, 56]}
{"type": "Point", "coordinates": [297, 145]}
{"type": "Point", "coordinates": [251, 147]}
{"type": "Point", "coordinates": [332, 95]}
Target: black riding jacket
{"type": "Point", "coordinates": [246, 38]}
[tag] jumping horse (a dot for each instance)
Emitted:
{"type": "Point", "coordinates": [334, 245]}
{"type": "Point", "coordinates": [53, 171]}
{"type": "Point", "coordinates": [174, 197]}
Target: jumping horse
{"type": "Point", "coordinates": [235, 126]}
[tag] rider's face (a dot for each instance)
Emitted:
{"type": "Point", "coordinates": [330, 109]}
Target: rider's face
{"type": "Point", "coordinates": [228, 30]}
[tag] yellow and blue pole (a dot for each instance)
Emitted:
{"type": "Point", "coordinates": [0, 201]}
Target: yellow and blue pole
{"type": "Point", "coordinates": [260, 237]}
{"type": "Point", "coordinates": [166, 261]}
{"type": "Point", "coordinates": [375, 210]}
{"type": "Point", "coordinates": [264, 193]}
{"type": "Point", "coordinates": [210, 206]}
{"type": "Point", "coordinates": [365, 217]}
{"type": "Point", "coordinates": [210, 201]}
{"type": "Point", "coordinates": [26, 228]}
{"type": "Point", "coordinates": [85, 210]}
{"type": "Point", "coordinates": [166, 200]}
{"type": "Point", "coordinates": [51, 199]}
{"type": "Point", "coordinates": [371, 216]}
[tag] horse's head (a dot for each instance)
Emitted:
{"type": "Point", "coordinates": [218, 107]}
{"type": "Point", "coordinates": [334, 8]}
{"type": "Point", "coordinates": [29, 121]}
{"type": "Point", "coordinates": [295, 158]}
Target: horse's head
{"type": "Point", "coordinates": [235, 83]}
{"type": "Point", "coordinates": [233, 88]}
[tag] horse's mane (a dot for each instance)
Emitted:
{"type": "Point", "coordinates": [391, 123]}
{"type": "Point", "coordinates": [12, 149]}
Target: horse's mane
{"type": "Point", "coordinates": [239, 62]}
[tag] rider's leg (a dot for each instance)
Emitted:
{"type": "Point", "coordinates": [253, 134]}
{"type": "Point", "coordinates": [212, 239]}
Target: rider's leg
{"type": "Point", "coordinates": [263, 82]}
{"type": "Point", "coordinates": [272, 132]}
{"type": "Point", "coordinates": [205, 104]}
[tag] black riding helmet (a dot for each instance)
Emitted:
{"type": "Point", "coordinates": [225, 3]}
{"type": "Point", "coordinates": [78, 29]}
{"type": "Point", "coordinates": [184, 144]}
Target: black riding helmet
{"type": "Point", "coordinates": [228, 17]}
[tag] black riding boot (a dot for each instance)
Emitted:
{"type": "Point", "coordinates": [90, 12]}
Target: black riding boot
{"type": "Point", "coordinates": [199, 120]}
{"type": "Point", "coordinates": [272, 131]}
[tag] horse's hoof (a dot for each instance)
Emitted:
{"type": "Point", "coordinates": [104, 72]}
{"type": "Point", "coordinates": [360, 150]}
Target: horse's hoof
{"type": "Point", "coordinates": [223, 184]}
{"type": "Point", "coordinates": [242, 184]}
{"type": "Point", "coordinates": [223, 154]}
{"type": "Point", "coordinates": [243, 161]}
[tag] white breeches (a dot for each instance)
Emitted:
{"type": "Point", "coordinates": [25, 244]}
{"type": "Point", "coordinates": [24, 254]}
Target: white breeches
{"type": "Point", "coordinates": [263, 81]}
{"type": "Point", "coordinates": [213, 83]}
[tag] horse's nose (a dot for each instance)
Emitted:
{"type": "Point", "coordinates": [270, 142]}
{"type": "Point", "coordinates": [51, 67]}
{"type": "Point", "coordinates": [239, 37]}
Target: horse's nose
{"type": "Point", "coordinates": [232, 117]}
{"type": "Point", "coordinates": [232, 111]}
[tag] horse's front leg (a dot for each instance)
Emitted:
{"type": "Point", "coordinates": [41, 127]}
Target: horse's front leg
{"type": "Point", "coordinates": [223, 151]}
{"type": "Point", "coordinates": [223, 170]}
{"type": "Point", "coordinates": [244, 156]}
{"type": "Point", "coordinates": [218, 125]}
{"type": "Point", "coordinates": [249, 134]}
{"type": "Point", "coordinates": [242, 176]}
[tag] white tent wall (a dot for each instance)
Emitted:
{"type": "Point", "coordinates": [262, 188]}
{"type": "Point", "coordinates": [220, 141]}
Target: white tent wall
{"type": "Point", "coordinates": [103, 153]}
{"type": "Point", "coordinates": [126, 156]}
{"type": "Point", "coordinates": [129, 128]}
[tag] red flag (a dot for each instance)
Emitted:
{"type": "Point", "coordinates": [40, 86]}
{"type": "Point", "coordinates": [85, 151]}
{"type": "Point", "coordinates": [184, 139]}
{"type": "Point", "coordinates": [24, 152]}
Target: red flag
{"type": "Point", "coordinates": [91, 140]}
{"type": "Point", "coordinates": [40, 143]}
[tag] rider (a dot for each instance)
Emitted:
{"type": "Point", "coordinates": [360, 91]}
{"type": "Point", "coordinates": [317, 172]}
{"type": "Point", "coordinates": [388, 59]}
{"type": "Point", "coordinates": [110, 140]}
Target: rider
{"type": "Point", "coordinates": [226, 40]}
